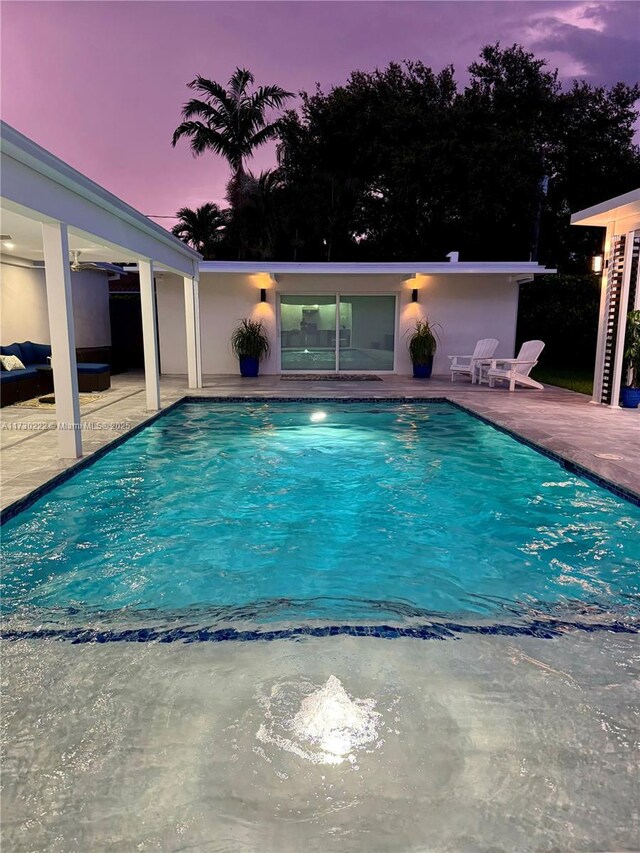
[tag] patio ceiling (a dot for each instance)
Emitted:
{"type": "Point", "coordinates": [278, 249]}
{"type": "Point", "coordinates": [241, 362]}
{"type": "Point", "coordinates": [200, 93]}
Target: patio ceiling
{"type": "Point", "coordinates": [25, 242]}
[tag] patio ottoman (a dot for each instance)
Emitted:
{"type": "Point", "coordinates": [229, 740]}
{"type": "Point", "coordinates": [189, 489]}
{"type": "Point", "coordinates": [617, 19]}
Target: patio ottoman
{"type": "Point", "coordinates": [93, 377]}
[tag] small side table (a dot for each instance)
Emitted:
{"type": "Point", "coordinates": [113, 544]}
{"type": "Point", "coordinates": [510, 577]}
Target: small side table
{"type": "Point", "coordinates": [480, 367]}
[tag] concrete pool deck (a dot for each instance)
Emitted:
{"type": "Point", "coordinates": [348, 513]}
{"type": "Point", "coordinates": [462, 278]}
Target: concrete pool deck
{"type": "Point", "coordinates": [560, 421]}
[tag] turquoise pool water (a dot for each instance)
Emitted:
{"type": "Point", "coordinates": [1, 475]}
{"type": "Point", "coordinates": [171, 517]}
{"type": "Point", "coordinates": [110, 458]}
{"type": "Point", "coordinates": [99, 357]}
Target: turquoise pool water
{"type": "Point", "coordinates": [292, 512]}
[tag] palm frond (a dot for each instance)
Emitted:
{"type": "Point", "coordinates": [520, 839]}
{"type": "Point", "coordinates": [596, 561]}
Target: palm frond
{"type": "Point", "coordinates": [214, 91]}
{"type": "Point", "coordinates": [240, 79]}
{"type": "Point", "coordinates": [270, 96]}
{"type": "Point", "coordinates": [195, 107]}
{"type": "Point", "coordinates": [265, 135]}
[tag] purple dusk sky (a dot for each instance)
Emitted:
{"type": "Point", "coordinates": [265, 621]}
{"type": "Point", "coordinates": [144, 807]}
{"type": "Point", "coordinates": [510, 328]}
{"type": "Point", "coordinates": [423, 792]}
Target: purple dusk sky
{"type": "Point", "coordinates": [101, 84]}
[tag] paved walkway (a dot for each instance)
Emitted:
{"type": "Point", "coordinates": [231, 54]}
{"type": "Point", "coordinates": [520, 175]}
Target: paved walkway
{"type": "Point", "coordinates": [559, 420]}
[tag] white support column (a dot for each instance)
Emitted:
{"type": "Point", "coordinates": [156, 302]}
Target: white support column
{"type": "Point", "coordinates": [192, 317]}
{"type": "Point", "coordinates": [149, 335]}
{"type": "Point", "coordinates": [196, 303]}
{"type": "Point", "coordinates": [55, 242]}
{"type": "Point", "coordinates": [622, 320]}
{"type": "Point", "coordinates": [602, 329]}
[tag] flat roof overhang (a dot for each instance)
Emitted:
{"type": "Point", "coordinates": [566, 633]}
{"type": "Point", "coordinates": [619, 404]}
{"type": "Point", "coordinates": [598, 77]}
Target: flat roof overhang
{"type": "Point", "coordinates": [624, 210]}
{"type": "Point", "coordinates": [524, 270]}
{"type": "Point", "coordinates": [39, 186]}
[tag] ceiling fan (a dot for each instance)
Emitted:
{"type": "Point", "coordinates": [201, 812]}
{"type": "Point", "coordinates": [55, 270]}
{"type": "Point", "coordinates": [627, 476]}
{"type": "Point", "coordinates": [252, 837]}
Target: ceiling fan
{"type": "Point", "coordinates": [77, 265]}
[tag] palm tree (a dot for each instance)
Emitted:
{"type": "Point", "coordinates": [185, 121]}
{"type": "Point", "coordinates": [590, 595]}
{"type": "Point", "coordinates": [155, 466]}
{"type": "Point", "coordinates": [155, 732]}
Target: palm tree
{"type": "Point", "coordinates": [202, 228]}
{"type": "Point", "coordinates": [230, 122]}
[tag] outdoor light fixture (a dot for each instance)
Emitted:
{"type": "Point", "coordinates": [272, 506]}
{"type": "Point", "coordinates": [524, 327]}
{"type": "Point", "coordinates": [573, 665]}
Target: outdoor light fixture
{"type": "Point", "coordinates": [596, 263]}
{"type": "Point", "coordinates": [414, 294]}
{"type": "Point", "coordinates": [263, 294]}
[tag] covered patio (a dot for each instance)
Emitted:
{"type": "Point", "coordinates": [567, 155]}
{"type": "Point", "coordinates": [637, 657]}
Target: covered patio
{"type": "Point", "coordinates": [52, 213]}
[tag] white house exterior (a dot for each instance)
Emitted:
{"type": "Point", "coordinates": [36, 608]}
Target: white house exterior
{"type": "Point", "coordinates": [332, 317]}
{"type": "Point", "coordinates": [620, 289]}
{"type": "Point", "coordinates": [320, 317]}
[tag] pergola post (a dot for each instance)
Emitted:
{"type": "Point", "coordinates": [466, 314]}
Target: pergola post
{"type": "Point", "coordinates": [622, 319]}
{"type": "Point", "coordinates": [196, 301]}
{"type": "Point", "coordinates": [596, 396]}
{"type": "Point", "coordinates": [192, 316]}
{"type": "Point", "coordinates": [55, 243]}
{"type": "Point", "coordinates": [149, 335]}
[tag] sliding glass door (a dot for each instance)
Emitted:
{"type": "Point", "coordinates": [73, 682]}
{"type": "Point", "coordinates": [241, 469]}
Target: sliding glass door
{"type": "Point", "coordinates": [308, 333]}
{"type": "Point", "coordinates": [337, 333]}
{"type": "Point", "coordinates": [367, 332]}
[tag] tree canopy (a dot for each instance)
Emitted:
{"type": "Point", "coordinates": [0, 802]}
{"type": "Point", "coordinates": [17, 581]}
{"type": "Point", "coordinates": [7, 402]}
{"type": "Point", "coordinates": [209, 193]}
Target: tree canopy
{"type": "Point", "coordinates": [402, 163]}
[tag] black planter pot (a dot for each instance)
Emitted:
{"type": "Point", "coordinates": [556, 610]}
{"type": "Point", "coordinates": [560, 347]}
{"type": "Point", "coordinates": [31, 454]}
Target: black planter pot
{"type": "Point", "coordinates": [423, 371]}
{"type": "Point", "coordinates": [249, 366]}
{"type": "Point", "coordinates": [629, 397]}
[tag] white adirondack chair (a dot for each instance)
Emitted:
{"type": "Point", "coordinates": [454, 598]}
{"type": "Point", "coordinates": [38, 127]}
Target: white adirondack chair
{"type": "Point", "coordinates": [516, 371]}
{"type": "Point", "coordinates": [468, 364]}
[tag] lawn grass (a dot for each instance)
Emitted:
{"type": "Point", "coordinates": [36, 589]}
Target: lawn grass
{"type": "Point", "coordinates": [573, 378]}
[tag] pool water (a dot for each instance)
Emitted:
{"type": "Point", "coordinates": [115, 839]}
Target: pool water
{"type": "Point", "coordinates": [279, 520]}
{"type": "Point", "coordinates": [309, 511]}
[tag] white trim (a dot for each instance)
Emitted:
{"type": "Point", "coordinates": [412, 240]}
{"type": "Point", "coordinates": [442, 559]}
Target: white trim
{"type": "Point", "coordinates": [618, 208]}
{"type": "Point", "coordinates": [25, 150]}
{"type": "Point", "coordinates": [519, 270]}
{"type": "Point", "coordinates": [39, 186]}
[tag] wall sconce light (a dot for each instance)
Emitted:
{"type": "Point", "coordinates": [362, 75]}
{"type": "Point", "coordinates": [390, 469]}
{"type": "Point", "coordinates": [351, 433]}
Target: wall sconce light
{"type": "Point", "coordinates": [414, 294]}
{"type": "Point", "coordinates": [597, 264]}
{"type": "Point", "coordinates": [263, 294]}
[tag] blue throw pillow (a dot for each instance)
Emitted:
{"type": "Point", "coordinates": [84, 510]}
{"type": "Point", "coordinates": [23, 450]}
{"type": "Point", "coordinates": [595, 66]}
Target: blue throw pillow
{"type": "Point", "coordinates": [28, 354]}
{"type": "Point", "coordinates": [41, 352]}
{"type": "Point", "coordinates": [12, 349]}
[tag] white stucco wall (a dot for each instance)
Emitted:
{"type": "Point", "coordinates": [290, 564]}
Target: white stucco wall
{"type": "Point", "coordinates": [23, 307]}
{"type": "Point", "coordinates": [467, 307]}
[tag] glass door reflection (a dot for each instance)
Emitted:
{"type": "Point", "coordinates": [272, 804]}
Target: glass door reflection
{"type": "Point", "coordinates": [367, 332]}
{"type": "Point", "coordinates": [308, 333]}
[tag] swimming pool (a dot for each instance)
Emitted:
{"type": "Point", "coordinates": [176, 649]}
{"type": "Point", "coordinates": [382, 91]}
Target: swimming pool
{"type": "Point", "coordinates": [333, 538]}
{"type": "Point", "coordinates": [299, 512]}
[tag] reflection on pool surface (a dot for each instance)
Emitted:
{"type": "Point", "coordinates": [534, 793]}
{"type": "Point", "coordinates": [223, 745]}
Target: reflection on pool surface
{"type": "Point", "coordinates": [511, 725]}
{"type": "Point", "coordinates": [300, 512]}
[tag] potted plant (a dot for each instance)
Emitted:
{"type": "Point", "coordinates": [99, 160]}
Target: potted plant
{"type": "Point", "coordinates": [422, 348]}
{"type": "Point", "coordinates": [630, 393]}
{"type": "Point", "coordinates": [250, 344]}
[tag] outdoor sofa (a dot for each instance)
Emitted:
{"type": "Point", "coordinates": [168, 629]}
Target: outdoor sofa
{"type": "Point", "coordinates": [37, 379]}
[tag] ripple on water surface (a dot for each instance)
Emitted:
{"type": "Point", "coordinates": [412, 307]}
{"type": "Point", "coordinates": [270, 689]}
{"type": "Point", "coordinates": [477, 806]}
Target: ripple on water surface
{"type": "Point", "coordinates": [378, 511]}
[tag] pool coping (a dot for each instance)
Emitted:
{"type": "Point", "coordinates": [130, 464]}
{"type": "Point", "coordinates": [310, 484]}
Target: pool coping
{"type": "Point", "coordinates": [23, 503]}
